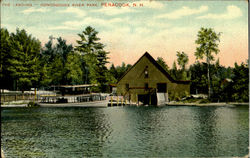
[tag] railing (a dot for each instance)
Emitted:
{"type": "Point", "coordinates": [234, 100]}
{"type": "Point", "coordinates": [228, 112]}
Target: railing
{"type": "Point", "coordinates": [15, 96]}
{"type": "Point", "coordinates": [72, 99]}
{"type": "Point", "coordinates": [50, 97]}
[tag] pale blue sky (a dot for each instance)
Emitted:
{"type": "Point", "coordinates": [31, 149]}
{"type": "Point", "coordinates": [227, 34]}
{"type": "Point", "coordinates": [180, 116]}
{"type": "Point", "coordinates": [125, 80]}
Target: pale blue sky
{"type": "Point", "coordinates": [159, 27]}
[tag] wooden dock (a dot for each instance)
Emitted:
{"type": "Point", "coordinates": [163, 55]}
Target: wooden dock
{"type": "Point", "coordinates": [73, 98]}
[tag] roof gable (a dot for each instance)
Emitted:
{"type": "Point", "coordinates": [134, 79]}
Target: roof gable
{"type": "Point", "coordinates": [159, 67]}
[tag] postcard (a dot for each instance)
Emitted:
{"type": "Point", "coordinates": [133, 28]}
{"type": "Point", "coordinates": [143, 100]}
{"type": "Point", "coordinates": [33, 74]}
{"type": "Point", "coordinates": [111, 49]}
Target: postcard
{"type": "Point", "coordinates": [172, 75]}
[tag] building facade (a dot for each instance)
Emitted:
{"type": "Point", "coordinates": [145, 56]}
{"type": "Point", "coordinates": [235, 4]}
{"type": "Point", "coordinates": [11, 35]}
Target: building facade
{"type": "Point", "coordinates": [146, 82]}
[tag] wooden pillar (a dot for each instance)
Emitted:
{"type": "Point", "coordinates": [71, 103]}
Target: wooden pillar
{"type": "Point", "coordinates": [149, 99]}
{"type": "Point", "coordinates": [117, 100]}
{"type": "Point", "coordinates": [136, 99]}
{"type": "Point", "coordinates": [111, 104]}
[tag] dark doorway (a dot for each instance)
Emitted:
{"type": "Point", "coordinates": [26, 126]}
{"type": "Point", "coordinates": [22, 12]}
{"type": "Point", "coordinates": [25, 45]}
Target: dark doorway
{"type": "Point", "coordinates": [161, 87]}
{"type": "Point", "coordinates": [144, 98]}
{"type": "Point", "coordinates": [153, 99]}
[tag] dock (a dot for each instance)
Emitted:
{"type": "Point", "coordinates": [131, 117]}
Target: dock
{"type": "Point", "coordinates": [73, 98]}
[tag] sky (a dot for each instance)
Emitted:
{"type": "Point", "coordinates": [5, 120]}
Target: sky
{"type": "Point", "coordinates": [159, 27]}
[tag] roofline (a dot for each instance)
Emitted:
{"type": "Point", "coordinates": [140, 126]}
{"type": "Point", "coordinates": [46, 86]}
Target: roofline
{"type": "Point", "coordinates": [75, 86]}
{"type": "Point", "coordinates": [159, 67]}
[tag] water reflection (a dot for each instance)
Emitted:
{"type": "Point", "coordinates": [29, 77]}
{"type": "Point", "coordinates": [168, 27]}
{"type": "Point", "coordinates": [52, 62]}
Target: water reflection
{"type": "Point", "coordinates": [206, 134]}
{"type": "Point", "coordinates": [125, 132]}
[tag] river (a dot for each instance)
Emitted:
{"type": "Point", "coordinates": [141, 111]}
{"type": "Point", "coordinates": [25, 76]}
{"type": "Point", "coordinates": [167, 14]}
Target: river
{"type": "Point", "coordinates": [175, 131]}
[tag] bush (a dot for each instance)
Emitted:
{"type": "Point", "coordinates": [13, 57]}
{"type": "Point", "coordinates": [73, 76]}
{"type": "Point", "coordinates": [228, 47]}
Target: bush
{"type": "Point", "coordinates": [204, 101]}
{"type": "Point", "coordinates": [33, 104]}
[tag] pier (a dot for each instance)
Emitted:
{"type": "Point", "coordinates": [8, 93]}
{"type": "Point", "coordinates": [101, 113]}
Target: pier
{"type": "Point", "coordinates": [73, 98]}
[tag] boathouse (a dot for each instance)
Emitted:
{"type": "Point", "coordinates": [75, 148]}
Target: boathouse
{"type": "Point", "coordinates": [146, 82]}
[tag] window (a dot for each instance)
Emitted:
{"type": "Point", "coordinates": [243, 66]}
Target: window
{"type": "Point", "coordinates": [127, 87]}
{"type": "Point", "coordinates": [146, 72]}
{"type": "Point", "coordinates": [161, 87]}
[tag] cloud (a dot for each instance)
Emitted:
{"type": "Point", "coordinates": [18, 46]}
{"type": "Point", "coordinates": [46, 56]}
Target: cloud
{"type": "Point", "coordinates": [34, 10]}
{"type": "Point", "coordinates": [76, 24]}
{"type": "Point", "coordinates": [184, 11]}
{"type": "Point", "coordinates": [61, 28]}
{"type": "Point", "coordinates": [231, 13]}
{"type": "Point", "coordinates": [142, 30]}
{"type": "Point", "coordinates": [78, 12]}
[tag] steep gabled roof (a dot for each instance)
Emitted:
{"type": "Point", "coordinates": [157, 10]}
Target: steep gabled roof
{"type": "Point", "coordinates": [158, 66]}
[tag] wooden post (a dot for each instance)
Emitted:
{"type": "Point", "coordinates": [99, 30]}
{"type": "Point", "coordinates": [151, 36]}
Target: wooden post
{"type": "Point", "coordinates": [35, 94]}
{"type": "Point", "coordinates": [136, 99]}
{"type": "Point", "coordinates": [149, 99]}
{"type": "Point", "coordinates": [117, 100]}
{"type": "Point", "coordinates": [111, 101]}
{"type": "Point", "coordinates": [122, 102]}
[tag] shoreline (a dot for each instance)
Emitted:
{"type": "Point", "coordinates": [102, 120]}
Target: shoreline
{"type": "Point", "coordinates": [104, 104]}
{"type": "Point", "coordinates": [230, 104]}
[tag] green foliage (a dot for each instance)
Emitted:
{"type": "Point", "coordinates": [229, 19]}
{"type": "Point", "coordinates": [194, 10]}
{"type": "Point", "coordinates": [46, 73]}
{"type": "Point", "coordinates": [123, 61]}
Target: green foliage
{"type": "Point", "coordinates": [73, 69]}
{"type": "Point", "coordinates": [57, 71]}
{"type": "Point", "coordinates": [240, 85]}
{"type": "Point", "coordinates": [203, 101]}
{"type": "Point", "coordinates": [94, 58]}
{"type": "Point", "coordinates": [5, 77]}
{"type": "Point", "coordinates": [119, 71]}
{"type": "Point", "coordinates": [161, 62]}
{"type": "Point", "coordinates": [24, 63]}
{"type": "Point", "coordinates": [53, 63]}
{"type": "Point", "coordinates": [182, 60]}
{"type": "Point", "coordinates": [207, 45]}
{"type": "Point", "coordinates": [198, 78]}
{"type": "Point", "coordinates": [32, 105]}
{"type": "Point", "coordinates": [174, 72]}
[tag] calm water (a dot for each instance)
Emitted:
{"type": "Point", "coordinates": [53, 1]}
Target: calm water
{"type": "Point", "coordinates": [125, 132]}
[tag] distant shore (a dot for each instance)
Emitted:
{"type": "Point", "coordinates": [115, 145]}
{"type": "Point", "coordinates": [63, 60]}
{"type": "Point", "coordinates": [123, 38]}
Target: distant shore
{"type": "Point", "coordinates": [230, 104]}
{"type": "Point", "coordinates": [104, 104]}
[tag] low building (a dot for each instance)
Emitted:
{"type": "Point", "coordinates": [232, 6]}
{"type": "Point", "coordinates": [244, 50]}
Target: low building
{"type": "Point", "coordinates": [146, 82]}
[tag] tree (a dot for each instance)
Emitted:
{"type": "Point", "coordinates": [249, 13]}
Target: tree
{"type": "Point", "coordinates": [62, 49]}
{"type": "Point", "coordinates": [207, 45]}
{"type": "Point", "coordinates": [54, 58]}
{"type": "Point", "coordinates": [5, 78]}
{"type": "Point", "coordinates": [182, 60]}
{"type": "Point", "coordinates": [73, 69]}
{"type": "Point", "coordinates": [94, 58]}
{"type": "Point", "coordinates": [24, 59]}
{"type": "Point", "coordinates": [48, 53]}
{"type": "Point", "coordinates": [240, 84]}
{"type": "Point", "coordinates": [174, 71]}
{"type": "Point", "coordinates": [113, 71]}
{"type": "Point", "coordinates": [161, 62]}
{"type": "Point", "coordinates": [198, 78]}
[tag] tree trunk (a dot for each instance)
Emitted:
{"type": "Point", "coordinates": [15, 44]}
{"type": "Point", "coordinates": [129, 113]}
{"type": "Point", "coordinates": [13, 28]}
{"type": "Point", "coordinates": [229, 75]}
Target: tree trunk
{"type": "Point", "coordinates": [208, 78]}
